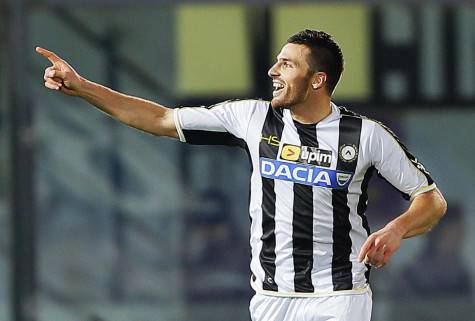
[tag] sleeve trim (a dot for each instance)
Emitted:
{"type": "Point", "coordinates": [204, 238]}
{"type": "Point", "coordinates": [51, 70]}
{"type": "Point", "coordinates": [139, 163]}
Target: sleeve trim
{"type": "Point", "coordinates": [422, 190]}
{"type": "Point", "coordinates": [176, 119]}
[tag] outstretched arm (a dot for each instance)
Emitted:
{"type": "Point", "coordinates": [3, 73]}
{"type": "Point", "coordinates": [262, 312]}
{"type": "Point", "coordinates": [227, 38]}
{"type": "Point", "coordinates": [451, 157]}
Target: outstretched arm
{"type": "Point", "coordinates": [132, 111]}
{"type": "Point", "coordinates": [424, 212]}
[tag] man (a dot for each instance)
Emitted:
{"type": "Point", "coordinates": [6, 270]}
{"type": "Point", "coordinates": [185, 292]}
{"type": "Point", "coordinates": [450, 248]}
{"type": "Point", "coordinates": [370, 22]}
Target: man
{"type": "Point", "coordinates": [311, 163]}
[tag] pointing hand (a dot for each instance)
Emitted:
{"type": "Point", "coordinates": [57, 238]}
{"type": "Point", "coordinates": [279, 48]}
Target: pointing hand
{"type": "Point", "coordinates": [60, 76]}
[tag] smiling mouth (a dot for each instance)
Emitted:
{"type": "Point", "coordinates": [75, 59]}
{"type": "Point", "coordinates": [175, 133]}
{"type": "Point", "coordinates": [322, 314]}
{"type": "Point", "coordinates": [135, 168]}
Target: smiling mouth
{"type": "Point", "coordinates": [278, 88]}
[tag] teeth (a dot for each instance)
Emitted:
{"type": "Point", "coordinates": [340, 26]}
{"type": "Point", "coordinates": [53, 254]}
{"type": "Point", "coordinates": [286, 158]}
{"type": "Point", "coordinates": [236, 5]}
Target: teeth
{"type": "Point", "coordinates": [278, 88]}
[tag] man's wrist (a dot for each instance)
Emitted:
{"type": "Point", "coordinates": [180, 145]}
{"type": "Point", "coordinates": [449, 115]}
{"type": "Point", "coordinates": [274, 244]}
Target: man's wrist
{"type": "Point", "coordinates": [398, 228]}
{"type": "Point", "coordinates": [83, 87]}
{"type": "Point", "coordinates": [88, 90]}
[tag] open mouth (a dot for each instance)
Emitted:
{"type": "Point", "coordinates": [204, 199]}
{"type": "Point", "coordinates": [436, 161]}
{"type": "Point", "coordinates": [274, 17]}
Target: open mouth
{"type": "Point", "coordinates": [278, 88]}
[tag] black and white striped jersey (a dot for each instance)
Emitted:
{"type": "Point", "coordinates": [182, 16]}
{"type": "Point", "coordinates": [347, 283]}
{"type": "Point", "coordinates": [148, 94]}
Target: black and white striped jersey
{"type": "Point", "coordinates": [308, 189]}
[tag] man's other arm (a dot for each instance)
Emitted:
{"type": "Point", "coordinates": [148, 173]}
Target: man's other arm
{"type": "Point", "coordinates": [132, 111]}
{"type": "Point", "coordinates": [424, 212]}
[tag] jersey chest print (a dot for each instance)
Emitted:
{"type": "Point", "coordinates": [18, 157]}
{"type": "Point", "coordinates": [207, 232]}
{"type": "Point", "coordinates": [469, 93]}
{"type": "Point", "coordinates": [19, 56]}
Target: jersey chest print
{"type": "Point", "coordinates": [302, 164]}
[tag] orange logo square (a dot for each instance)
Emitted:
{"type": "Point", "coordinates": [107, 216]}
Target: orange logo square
{"type": "Point", "coordinates": [290, 152]}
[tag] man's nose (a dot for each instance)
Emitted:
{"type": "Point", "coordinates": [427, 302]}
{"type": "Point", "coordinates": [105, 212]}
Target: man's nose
{"type": "Point", "coordinates": [273, 72]}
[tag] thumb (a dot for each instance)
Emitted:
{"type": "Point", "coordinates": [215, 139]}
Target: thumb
{"type": "Point", "coordinates": [365, 249]}
{"type": "Point", "coordinates": [67, 91]}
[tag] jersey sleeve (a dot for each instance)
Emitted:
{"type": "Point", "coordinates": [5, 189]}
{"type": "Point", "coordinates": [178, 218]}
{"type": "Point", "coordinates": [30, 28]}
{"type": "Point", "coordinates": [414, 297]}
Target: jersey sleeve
{"type": "Point", "coordinates": [397, 165]}
{"type": "Point", "coordinates": [221, 124]}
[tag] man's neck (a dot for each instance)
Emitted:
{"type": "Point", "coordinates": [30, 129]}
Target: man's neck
{"type": "Point", "coordinates": [312, 112]}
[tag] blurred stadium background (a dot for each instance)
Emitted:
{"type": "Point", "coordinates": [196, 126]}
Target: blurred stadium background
{"type": "Point", "coordinates": [102, 222]}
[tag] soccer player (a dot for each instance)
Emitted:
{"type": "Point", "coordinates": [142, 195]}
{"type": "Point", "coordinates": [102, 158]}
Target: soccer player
{"type": "Point", "coordinates": [311, 163]}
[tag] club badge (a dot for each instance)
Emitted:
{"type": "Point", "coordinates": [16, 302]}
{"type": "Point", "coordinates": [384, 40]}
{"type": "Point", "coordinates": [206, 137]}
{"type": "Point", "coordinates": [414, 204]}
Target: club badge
{"type": "Point", "coordinates": [348, 153]}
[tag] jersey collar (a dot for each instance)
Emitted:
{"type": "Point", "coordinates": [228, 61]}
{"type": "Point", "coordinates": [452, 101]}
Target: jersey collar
{"type": "Point", "coordinates": [334, 115]}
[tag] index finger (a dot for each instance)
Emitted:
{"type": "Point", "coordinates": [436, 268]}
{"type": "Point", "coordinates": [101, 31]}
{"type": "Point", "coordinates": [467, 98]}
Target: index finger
{"type": "Point", "coordinates": [51, 56]}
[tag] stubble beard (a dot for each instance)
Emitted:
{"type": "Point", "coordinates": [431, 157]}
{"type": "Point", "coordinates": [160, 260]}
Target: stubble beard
{"type": "Point", "coordinates": [287, 100]}
{"type": "Point", "coordinates": [283, 102]}
{"type": "Point", "coordinates": [277, 104]}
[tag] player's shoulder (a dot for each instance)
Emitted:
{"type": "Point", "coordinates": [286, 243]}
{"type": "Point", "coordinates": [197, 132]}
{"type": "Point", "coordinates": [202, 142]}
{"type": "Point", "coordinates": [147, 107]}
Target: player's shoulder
{"type": "Point", "coordinates": [241, 103]}
{"type": "Point", "coordinates": [371, 123]}
{"type": "Point", "coordinates": [366, 121]}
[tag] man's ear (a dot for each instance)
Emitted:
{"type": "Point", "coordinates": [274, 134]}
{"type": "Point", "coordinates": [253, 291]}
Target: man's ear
{"type": "Point", "coordinates": [319, 80]}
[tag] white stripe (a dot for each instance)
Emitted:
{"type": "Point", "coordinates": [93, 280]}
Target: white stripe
{"type": "Point", "coordinates": [358, 233]}
{"type": "Point", "coordinates": [323, 212]}
{"type": "Point", "coordinates": [255, 204]}
{"type": "Point", "coordinates": [358, 237]}
{"type": "Point", "coordinates": [255, 211]}
{"type": "Point", "coordinates": [285, 273]}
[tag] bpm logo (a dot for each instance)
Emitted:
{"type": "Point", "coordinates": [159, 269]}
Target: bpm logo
{"type": "Point", "coordinates": [304, 174]}
{"type": "Point", "coordinates": [306, 155]}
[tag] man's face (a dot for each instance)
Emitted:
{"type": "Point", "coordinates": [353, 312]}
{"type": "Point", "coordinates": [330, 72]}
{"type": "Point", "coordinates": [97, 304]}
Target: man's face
{"type": "Point", "coordinates": [291, 76]}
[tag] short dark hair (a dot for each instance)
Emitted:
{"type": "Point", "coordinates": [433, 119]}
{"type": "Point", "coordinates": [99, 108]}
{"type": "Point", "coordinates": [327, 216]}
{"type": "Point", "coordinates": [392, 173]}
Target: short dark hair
{"type": "Point", "coordinates": [325, 52]}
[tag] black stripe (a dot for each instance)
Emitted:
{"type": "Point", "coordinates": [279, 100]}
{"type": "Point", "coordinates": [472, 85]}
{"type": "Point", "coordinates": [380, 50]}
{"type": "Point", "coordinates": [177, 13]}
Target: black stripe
{"type": "Point", "coordinates": [362, 205]}
{"type": "Point", "coordinates": [363, 200]}
{"type": "Point", "coordinates": [205, 137]}
{"type": "Point", "coordinates": [346, 112]}
{"type": "Point", "coordinates": [302, 233]}
{"type": "Point", "coordinates": [273, 126]}
{"type": "Point", "coordinates": [249, 157]}
{"type": "Point", "coordinates": [349, 134]}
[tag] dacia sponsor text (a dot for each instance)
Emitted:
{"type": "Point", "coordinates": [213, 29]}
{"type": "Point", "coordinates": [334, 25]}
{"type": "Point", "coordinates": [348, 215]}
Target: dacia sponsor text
{"type": "Point", "coordinates": [304, 174]}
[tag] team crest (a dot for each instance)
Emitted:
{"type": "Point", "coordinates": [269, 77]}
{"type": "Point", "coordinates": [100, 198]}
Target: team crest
{"type": "Point", "coordinates": [348, 153]}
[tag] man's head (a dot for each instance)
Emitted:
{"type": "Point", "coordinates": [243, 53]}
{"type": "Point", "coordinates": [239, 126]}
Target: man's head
{"type": "Point", "coordinates": [310, 61]}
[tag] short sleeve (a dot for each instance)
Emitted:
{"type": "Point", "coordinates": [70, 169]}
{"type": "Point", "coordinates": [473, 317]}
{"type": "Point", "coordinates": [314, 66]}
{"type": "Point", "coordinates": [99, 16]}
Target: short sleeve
{"type": "Point", "coordinates": [397, 165]}
{"type": "Point", "coordinates": [221, 124]}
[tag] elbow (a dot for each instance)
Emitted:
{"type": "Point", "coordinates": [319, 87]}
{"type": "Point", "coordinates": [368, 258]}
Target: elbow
{"type": "Point", "coordinates": [441, 206]}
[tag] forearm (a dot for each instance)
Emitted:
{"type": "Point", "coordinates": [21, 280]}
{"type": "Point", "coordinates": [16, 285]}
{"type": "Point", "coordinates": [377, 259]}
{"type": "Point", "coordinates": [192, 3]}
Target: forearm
{"type": "Point", "coordinates": [132, 111]}
{"type": "Point", "coordinates": [424, 212]}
